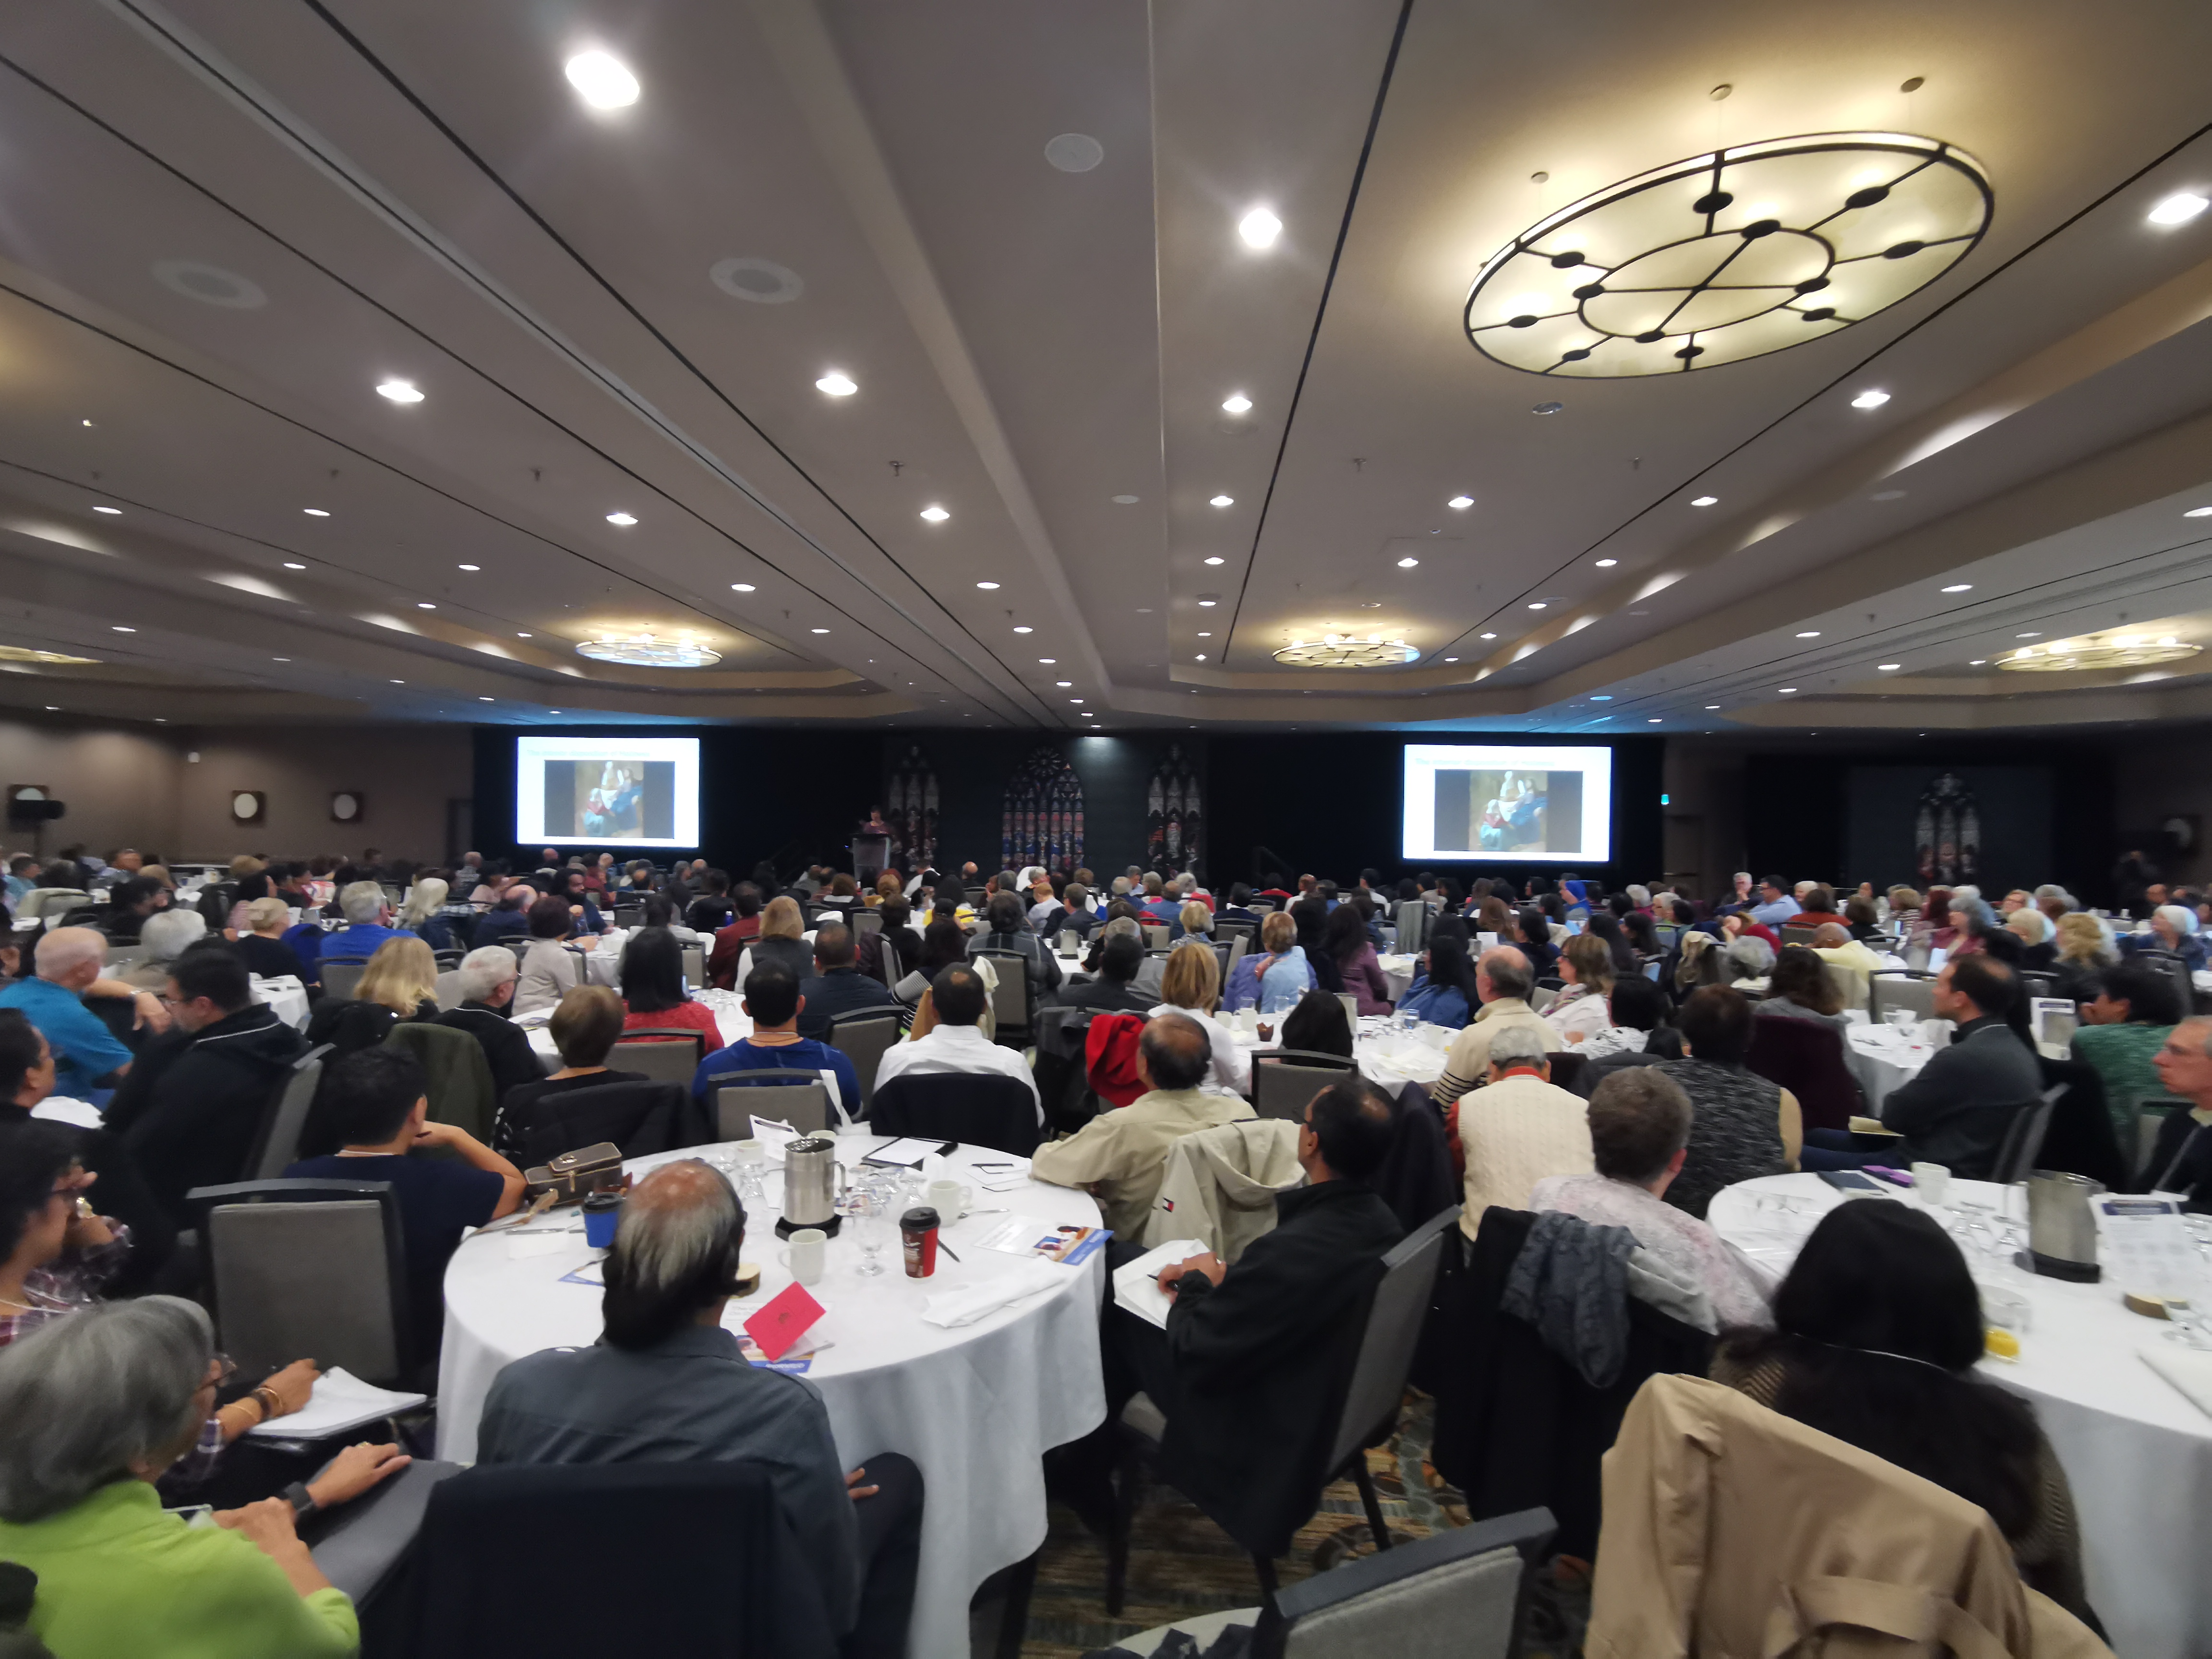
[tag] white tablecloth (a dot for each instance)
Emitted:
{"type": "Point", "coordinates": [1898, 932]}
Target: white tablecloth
{"type": "Point", "coordinates": [1889, 1057]}
{"type": "Point", "coordinates": [287, 996]}
{"type": "Point", "coordinates": [1387, 1058]}
{"type": "Point", "coordinates": [2138, 1454]}
{"type": "Point", "coordinates": [1398, 974]}
{"type": "Point", "coordinates": [731, 1020]}
{"type": "Point", "coordinates": [975, 1407]}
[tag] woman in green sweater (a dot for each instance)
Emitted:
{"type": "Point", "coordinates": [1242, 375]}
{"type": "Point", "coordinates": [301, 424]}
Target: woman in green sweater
{"type": "Point", "coordinates": [96, 1407]}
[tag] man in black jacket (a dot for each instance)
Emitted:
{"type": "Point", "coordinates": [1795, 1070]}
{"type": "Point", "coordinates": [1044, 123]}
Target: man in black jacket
{"type": "Point", "coordinates": [488, 976]}
{"type": "Point", "coordinates": [1255, 1356]}
{"type": "Point", "coordinates": [191, 1108]}
{"type": "Point", "coordinates": [1956, 1112]}
{"type": "Point", "coordinates": [2182, 1160]}
{"type": "Point", "coordinates": [836, 986]}
{"type": "Point", "coordinates": [1113, 991]}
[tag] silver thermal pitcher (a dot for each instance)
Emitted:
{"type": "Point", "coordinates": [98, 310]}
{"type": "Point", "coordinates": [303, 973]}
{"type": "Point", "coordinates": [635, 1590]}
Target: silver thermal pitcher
{"type": "Point", "coordinates": [2061, 1229]}
{"type": "Point", "coordinates": [812, 1182]}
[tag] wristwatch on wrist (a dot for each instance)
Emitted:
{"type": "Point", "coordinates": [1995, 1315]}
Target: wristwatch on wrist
{"type": "Point", "coordinates": [302, 1502]}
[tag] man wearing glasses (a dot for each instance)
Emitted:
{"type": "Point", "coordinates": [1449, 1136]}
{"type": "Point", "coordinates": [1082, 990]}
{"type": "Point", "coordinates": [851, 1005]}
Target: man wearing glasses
{"type": "Point", "coordinates": [2182, 1160]}
{"type": "Point", "coordinates": [192, 1104]}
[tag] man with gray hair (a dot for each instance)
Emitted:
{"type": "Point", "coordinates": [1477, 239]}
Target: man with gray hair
{"type": "Point", "coordinates": [1502, 982]}
{"type": "Point", "coordinates": [2181, 1161]}
{"type": "Point", "coordinates": [487, 977]}
{"type": "Point", "coordinates": [1518, 1129]}
{"type": "Point", "coordinates": [88, 1058]}
{"type": "Point", "coordinates": [368, 915]}
{"type": "Point", "coordinates": [667, 1383]}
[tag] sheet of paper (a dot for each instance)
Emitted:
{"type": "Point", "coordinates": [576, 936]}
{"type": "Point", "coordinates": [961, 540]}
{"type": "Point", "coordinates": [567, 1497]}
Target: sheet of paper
{"type": "Point", "coordinates": [1025, 1235]}
{"type": "Point", "coordinates": [529, 1244]}
{"type": "Point", "coordinates": [341, 1402]}
{"type": "Point", "coordinates": [1135, 1283]}
{"type": "Point", "coordinates": [778, 1327]}
{"type": "Point", "coordinates": [2144, 1245]}
{"type": "Point", "coordinates": [905, 1152]}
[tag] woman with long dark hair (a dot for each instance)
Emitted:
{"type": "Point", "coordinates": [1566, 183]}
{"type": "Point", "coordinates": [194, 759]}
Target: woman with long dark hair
{"type": "Point", "coordinates": [1607, 927]}
{"type": "Point", "coordinates": [1443, 992]}
{"type": "Point", "coordinates": [1877, 1330]}
{"type": "Point", "coordinates": [1344, 941]}
{"type": "Point", "coordinates": [1310, 917]}
{"type": "Point", "coordinates": [652, 988]}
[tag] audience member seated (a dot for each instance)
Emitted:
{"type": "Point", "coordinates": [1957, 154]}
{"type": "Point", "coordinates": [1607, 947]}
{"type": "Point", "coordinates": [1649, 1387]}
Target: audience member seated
{"type": "Point", "coordinates": [1502, 982]}
{"type": "Point", "coordinates": [423, 914]}
{"type": "Point", "coordinates": [773, 1001]}
{"type": "Point", "coordinates": [89, 1059]}
{"type": "Point", "coordinates": [267, 956]}
{"type": "Point", "coordinates": [585, 1029]}
{"type": "Point", "coordinates": [165, 936]}
{"type": "Point", "coordinates": [1345, 940]}
{"type": "Point", "coordinates": [551, 967]}
{"type": "Point", "coordinates": [369, 915]}
{"type": "Point", "coordinates": [782, 939]}
{"type": "Point", "coordinates": [509, 915]}
{"type": "Point", "coordinates": [377, 1104]}
{"type": "Point", "coordinates": [2172, 928]}
{"type": "Point", "coordinates": [1742, 1125]}
{"type": "Point", "coordinates": [1309, 923]}
{"type": "Point", "coordinates": [1532, 937]}
{"type": "Point", "coordinates": [1776, 905]}
{"type": "Point", "coordinates": [1070, 913]}
{"type": "Point", "coordinates": [1957, 1111]}
{"type": "Point", "coordinates": [399, 983]}
{"type": "Point", "coordinates": [1253, 1356]}
{"type": "Point", "coordinates": [2181, 1160]}
{"type": "Point", "coordinates": [2086, 955]}
{"type": "Point", "coordinates": [2039, 948]}
{"type": "Point", "coordinates": [948, 1036]}
{"type": "Point", "coordinates": [1155, 906]}
{"type": "Point", "coordinates": [1443, 989]}
{"type": "Point", "coordinates": [667, 1382]}
{"type": "Point", "coordinates": [836, 986]}
{"type": "Point", "coordinates": [1009, 931]}
{"type": "Point", "coordinates": [1820, 907]}
{"type": "Point", "coordinates": [1638, 1034]}
{"type": "Point", "coordinates": [1191, 984]}
{"type": "Point", "coordinates": [1579, 1010]}
{"type": "Point", "coordinates": [1878, 1331]}
{"type": "Point", "coordinates": [1121, 1155]}
{"type": "Point", "coordinates": [488, 977]}
{"type": "Point", "coordinates": [729, 940]}
{"type": "Point", "coordinates": [1113, 991]}
{"type": "Point", "coordinates": [1798, 988]}
{"type": "Point", "coordinates": [1515, 1131]}
{"type": "Point", "coordinates": [1639, 1134]}
{"type": "Point", "coordinates": [898, 932]}
{"type": "Point", "coordinates": [1192, 921]}
{"type": "Point", "coordinates": [130, 905]}
{"type": "Point", "coordinates": [99, 1406]}
{"type": "Point", "coordinates": [2135, 1007]}
{"type": "Point", "coordinates": [652, 974]}
{"type": "Point", "coordinates": [191, 1107]}
{"type": "Point", "coordinates": [1273, 979]}
{"type": "Point", "coordinates": [1317, 1026]}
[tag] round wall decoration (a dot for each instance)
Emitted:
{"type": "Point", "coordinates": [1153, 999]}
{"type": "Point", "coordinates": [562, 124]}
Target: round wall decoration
{"type": "Point", "coordinates": [1729, 255]}
{"type": "Point", "coordinates": [345, 806]}
{"type": "Point", "coordinates": [246, 805]}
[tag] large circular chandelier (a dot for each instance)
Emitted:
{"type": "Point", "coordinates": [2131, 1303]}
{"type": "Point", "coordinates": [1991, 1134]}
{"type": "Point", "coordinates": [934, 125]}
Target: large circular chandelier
{"type": "Point", "coordinates": [1346, 651]}
{"type": "Point", "coordinates": [1728, 255]}
{"type": "Point", "coordinates": [2115, 651]}
{"type": "Point", "coordinates": [649, 651]}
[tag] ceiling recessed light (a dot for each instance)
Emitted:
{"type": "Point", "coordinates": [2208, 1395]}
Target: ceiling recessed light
{"type": "Point", "coordinates": [1889, 668]}
{"type": "Point", "coordinates": [1810, 634]}
{"type": "Point", "coordinates": [2032, 634]}
{"type": "Point", "coordinates": [1260, 228]}
{"type": "Point", "coordinates": [1024, 630]}
{"type": "Point", "coordinates": [314, 511]}
{"type": "Point", "coordinates": [741, 588]}
{"type": "Point", "coordinates": [1601, 696]}
{"type": "Point", "coordinates": [399, 681]}
{"type": "Point", "coordinates": [1075, 700]}
{"type": "Point", "coordinates": [1490, 636]}
{"type": "Point", "coordinates": [119, 629]}
{"type": "Point", "coordinates": [1536, 605]}
{"type": "Point", "coordinates": [1216, 559]}
{"type": "Point", "coordinates": [526, 636]}
{"type": "Point", "coordinates": [987, 586]}
{"type": "Point", "coordinates": [1657, 720]}
{"type": "Point", "coordinates": [1607, 564]}
{"type": "Point", "coordinates": [837, 385]}
{"type": "Point", "coordinates": [1206, 637]}
{"type": "Point", "coordinates": [935, 513]}
{"type": "Point", "coordinates": [1237, 403]}
{"type": "Point", "coordinates": [1205, 604]}
{"type": "Point", "coordinates": [1408, 564]}
{"type": "Point", "coordinates": [53, 708]}
{"type": "Point", "coordinates": [112, 512]}
{"type": "Point", "coordinates": [1064, 685]}
{"type": "Point", "coordinates": [280, 659]}
{"type": "Point", "coordinates": [1711, 706]}
{"type": "Point", "coordinates": [1223, 500]}
{"type": "Point", "coordinates": [2198, 513]}
{"type": "Point", "coordinates": [400, 392]}
{"type": "Point", "coordinates": [1704, 500]}
{"type": "Point", "coordinates": [1451, 658]}
{"type": "Point", "coordinates": [292, 565]}
{"type": "Point", "coordinates": [1546, 409]}
{"type": "Point", "coordinates": [424, 604]}
{"type": "Point", "coordinates": [1127, 501]}
{"type": "Point", "coordinates": [1201, 656]}
{"type": "Point", "coordinates": [1870, 399]}
{"type": "Point", "coordinates": [2178, 209]}
{"type": "Point", "coordinates": [1959, 587]}
{"type": "Point", "coordinates": [1978, 662]}
{"type": "Point", "coordinates": [820, 630]}
{"type": "Point", "coordinates": [1460, 503]}
{"type": "Point", "coordinates": [623, 518]}
{"type": "Point", "coordinates": [484, 699]}
{"type": "Point", "coordinates": [1787, 690]}
{"type": "Point", "coordinates": [601, 80]}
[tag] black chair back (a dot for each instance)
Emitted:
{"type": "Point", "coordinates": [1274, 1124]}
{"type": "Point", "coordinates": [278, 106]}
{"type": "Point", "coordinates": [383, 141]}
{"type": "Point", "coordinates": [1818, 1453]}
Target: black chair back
{"type": "Point", "coordinates": [2023, 1140]}
{"type": "Point", "coordinates": [1063, 1072]}
{"type": "Point", "coordinates": [284, 1121]}
{"type": "Point", "coordinates": [978, 1108]}
{"type": "Point", "coordinates": [640, 1118]}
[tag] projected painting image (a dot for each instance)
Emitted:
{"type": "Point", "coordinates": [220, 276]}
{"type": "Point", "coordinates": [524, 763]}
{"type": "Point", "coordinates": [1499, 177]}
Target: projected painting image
{"type": "Point", "coordinates": [609, 799]}
{"type": "Point", "coordinates": [1509, 811]}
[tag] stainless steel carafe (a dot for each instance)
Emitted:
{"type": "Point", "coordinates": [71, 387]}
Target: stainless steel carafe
{"type": "Point", "coordinates": [811, 1184]}
{"type": "Point", "coordinates": [2061, 1229]}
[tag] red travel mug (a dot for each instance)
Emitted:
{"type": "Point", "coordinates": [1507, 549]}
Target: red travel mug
{"type": "Point", "coordinates": [918, 1241]}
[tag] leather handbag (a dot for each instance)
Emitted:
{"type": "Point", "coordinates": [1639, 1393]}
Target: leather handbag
{"type": "Point", "coordinates": [574, 1176]}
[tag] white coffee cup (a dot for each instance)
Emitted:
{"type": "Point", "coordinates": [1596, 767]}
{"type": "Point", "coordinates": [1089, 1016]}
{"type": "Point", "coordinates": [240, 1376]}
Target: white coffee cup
{"type": "Point", "coordinates": [750, 1154]}
{"type": "Point", "coordinates": [949, 1199]}
{"type": "Point", "coordinates": [805, 1256]}
{"type": "Point", "coordinates": [1929, 1183]}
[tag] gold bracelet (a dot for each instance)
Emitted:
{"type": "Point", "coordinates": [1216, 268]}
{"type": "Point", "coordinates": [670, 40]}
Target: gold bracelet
{"type": "Point", "coordinates": [265, 1397]}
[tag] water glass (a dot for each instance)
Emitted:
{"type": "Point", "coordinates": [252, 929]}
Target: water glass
{"type": "Point", "coordinates": [864, 1214]}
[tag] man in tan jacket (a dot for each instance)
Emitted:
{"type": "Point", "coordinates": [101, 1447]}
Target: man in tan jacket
{"type": "Point", "coordinates": [1121, 1155]}
{"type": "Point", "coordinates": [1502, 982]}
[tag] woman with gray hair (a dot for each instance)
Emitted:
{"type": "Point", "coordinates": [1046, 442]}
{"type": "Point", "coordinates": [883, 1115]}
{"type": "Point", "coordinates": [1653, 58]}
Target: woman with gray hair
{"type": "Point", "coordinates": [167, 935]}
{"type": "Point", "coordinates": [98, 1405]}
{"type": "Point", "coordinates": [423, 914]}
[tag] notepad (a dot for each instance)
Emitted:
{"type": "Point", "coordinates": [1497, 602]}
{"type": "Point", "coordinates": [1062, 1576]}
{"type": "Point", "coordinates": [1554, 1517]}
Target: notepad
{"type": "Point", "coordinates": [341, 1402]}
{"type": "Point", "coordinates": [906, 1152]}
{"type": "Point", "coordinates": [1136, 1284]}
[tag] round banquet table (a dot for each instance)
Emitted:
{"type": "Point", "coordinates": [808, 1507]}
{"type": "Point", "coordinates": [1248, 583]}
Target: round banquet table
{"type": "Point", "coordinates": [2136, 1452]}
{"type": "Point", "coordinates": [976, 1406]}
{"type": "Point", "coordinates": [730, 1019]}
{"type": "Point", "coordinates": [1885, 1057]}
{"type": "Point", "coordinates": [1398, 974]}
{"type": "Point", "coordinates": [1385, 1057]}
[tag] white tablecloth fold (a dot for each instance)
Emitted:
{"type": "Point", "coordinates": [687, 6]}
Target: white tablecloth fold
{"type": "Point", "coordinates": [970, 1302]}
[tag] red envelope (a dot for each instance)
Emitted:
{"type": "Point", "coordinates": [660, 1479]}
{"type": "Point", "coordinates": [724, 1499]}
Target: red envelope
{"type": "Point", "coordinates": [786, 1317]}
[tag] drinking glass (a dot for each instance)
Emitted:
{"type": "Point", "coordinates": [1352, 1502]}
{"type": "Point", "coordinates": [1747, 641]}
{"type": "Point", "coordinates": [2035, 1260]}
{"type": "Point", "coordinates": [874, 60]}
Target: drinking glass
{"type": "Point", "coordinates": [865, 1225]}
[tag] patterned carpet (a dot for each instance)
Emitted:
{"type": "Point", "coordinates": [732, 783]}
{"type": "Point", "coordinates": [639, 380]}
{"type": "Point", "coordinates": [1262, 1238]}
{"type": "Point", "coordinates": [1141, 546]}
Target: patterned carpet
{"type": "Point", "coordinates": [1181, 1564]}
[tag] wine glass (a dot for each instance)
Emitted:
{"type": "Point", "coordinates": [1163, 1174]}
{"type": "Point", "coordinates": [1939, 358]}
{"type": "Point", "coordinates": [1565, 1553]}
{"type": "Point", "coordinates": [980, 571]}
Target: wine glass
{"type": "Point", "coordinates": [862, 1208]}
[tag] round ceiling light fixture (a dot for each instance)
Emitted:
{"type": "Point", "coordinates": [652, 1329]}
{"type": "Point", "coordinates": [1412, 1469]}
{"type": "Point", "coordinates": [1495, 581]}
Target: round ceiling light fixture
{"type": "Point", "coordinates": [648, 650]}
{"type": "Point", "coordinates": [1074, 152]}
{"type": "Point", "coordinates": [1346, 651]}
{"type": "Point", "coordinates": [1728, 255]}
{"type": "Point", "coordinates": [762, 282]}
{"type": "Point", "coordinates": [2091, 652]}
{"type": "Point", "coordinates": [211, 285]}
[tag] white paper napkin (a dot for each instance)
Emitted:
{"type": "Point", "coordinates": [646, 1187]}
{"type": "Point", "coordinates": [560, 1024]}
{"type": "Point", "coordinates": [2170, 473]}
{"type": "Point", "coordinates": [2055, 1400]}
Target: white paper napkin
{"type": "Point", "coordinates": [2189, 1370]}
{"type": "Point", "coordinates": [970, 1302]}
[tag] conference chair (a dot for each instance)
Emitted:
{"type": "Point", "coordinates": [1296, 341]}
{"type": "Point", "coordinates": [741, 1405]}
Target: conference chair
{"type": "Point", "coordinates": [1466, 1588]}
{"type": "Point", "coordinates": [628, 916]}
{"type": "Point", "coordinates": [864, 1036]}
{"type": "Point", "coordinates": [2023, 1138]}
{"type": "Point", "coordinates": [2174, 967]}
{"type": "Point", "coordinates": [866, 921]}
{"type": "Point", "coordinates": [1850, 986]}
{"type": "Point", "coordinates": [663, 1053]}
{"type": "Point", "coordinates": [977, 1108]}
{"type": "Point", "coordinates": [1798, 935]}
{"type": "Point", "coordinates": [461, 1091]}
{"type": "Point", "coordinates": [1286, 1079]}
{"type": "Point", "coordinates": [1234, 930]}
{"type": "Point", "coordinates": [448, 958]}
{"type": "Point", "coordinates": [1543, 996]}
{"type": "Point", "coordinates": [781, 1094]}
{"type": "Point", "coordinates": [122, 956]}
{"type": "Point", "coordinates": [1902, 988]}
{"type": "Point", "coordinates": [1351, 1010]}
{"type": "Point", "coordinates": [641, 1119]}
{"type": "Point", "coordinates": [276, 1146]}
{"type": "Point", "coordinates": [316, 1267]}
{"type": "Point", "coordinates": [1808, 1058]}
{"type": "Point", "coordinates": [340, 978]}
{"type": "Point", "coordinates": [1010, 997]}
{"type": "Point", "coordinates": [699, 1559]}
{"type": "Point", "coordinates": [694, 966]}
{"type": "Point", "coordinates": [1412, 926]}
{"type": "Point", "coordinates": [1363, 1412]}
{"type": "Point", "coordinates": [1062, 1067]}
{"type": "Point", "coordinates": [39, 900]}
